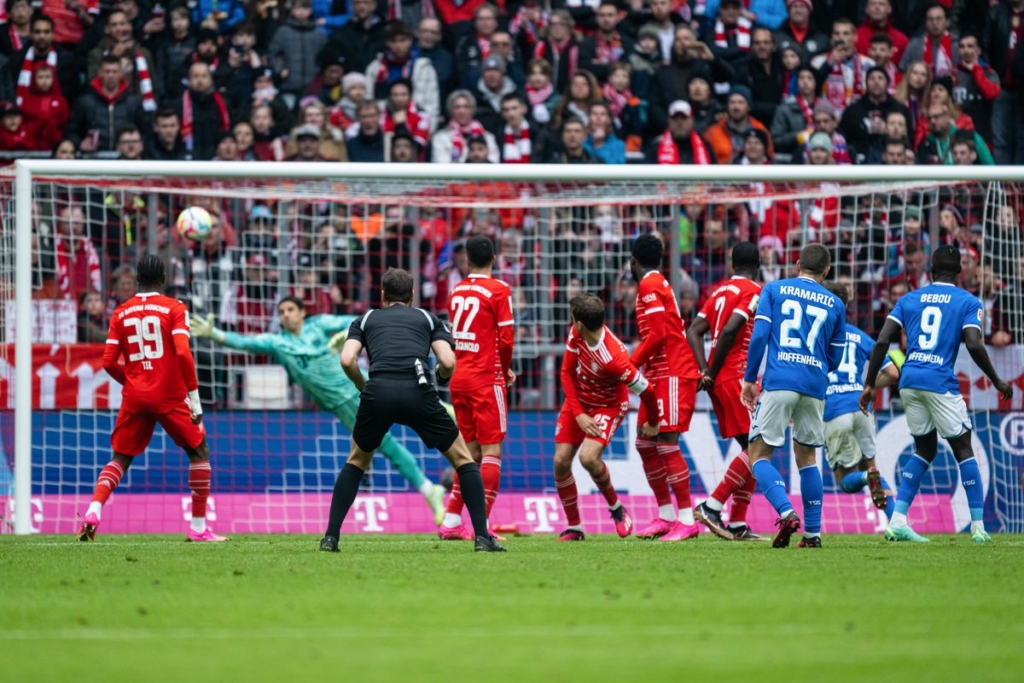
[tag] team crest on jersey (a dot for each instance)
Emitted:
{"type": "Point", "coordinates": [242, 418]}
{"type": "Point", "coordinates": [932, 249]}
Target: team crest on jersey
{"type": "Point", "coordinates": [979, 315]}
{"type": "Point", "coordinates": [593, 366]}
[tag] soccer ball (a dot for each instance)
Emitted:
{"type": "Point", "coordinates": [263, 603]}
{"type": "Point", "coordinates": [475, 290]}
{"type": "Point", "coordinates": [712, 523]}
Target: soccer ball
{"type": "Point", "coordinates": [194, 224]}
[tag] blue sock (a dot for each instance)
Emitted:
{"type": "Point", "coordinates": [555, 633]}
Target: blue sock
{"type": "Point", "coordinates": [913, 473]}
{"type": "Point", "coordinates": [970, 477]}
{"type": "Point", "coordinates": [854, 481]}
{"type": "Point", "coordinates": [772, 486]}
{"type": "Point", "coordinates": [812, 491]}
{"type": "Point", "coordinates": [890, 502]}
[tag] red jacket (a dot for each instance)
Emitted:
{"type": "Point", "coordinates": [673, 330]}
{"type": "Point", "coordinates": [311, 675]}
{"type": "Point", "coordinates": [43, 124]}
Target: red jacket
{"type": "Point", "coordinates": [866, 32]}
{"type": "Point", "coordinates": [44, 115]}
{"type": "Point", "coordinates": [16, 141]}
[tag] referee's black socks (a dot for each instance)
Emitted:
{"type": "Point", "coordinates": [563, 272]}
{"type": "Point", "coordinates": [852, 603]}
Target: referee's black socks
{"type": "Point", "coordinates": [345, 489]}
{"type": "Point", "coordinates": [472, 485]}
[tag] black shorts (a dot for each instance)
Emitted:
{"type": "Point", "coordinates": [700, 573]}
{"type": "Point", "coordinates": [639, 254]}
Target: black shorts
{"type": "Point", "coordinates": [385, 402]}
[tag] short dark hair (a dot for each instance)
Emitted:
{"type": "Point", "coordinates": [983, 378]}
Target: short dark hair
{"type": "Point", "coordinates": [292, 300]}
{"type": "Point", "coordinates": [39, 16]}
{"type": "Point", "coordinates": [397, 29]}
{"type": "Point", "coordinates": [746, 257]}
{"type": "Point", "coordinates": [110, 59]}
{"type": "Point", "coordinates": [969, 34]}
{"type": "Point", "coordinates": [517, 96]}
{"type": "Point", "coordinates": [648, 250]}
{"type": "Point", "coordinates": [815, 259]}
{"type": "Point", "coordinates": [903, 142]}
{"type": "Point", "coordinates": [126, 129]}
{"type": "Point", "coordinates": [946, 261]}
{"type": "Point", "coordinates": [573, 120]}
{"type": "Point", "coordinates": [589, 310]}
{"type": "Point", "coordinates": [480, 250]}
{"type": "Point", "coordinates": [166, 113]}
{"type": "Point", "coordinates": [881, 38]}
{"type": "Point", "coordinates": [397, 286]}
{"type": "Point", "coordinates": [840, 291]}
{"type": "Point", "coordinates": [150, 272]}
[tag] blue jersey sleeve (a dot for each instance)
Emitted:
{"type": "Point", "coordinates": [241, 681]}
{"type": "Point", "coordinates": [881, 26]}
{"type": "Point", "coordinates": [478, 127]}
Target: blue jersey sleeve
{"type": "Point", "coordinates": [973, 312]}
{"type": "Point", "coordinates": [837, 344]}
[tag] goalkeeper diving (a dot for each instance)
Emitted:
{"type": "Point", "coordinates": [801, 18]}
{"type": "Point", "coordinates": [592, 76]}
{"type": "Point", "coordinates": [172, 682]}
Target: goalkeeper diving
{"type": "Point", "coordinates": [307, 348]}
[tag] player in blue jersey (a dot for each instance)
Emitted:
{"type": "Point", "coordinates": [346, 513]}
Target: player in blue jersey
{"type": "Point", "coordinates": [802, 326]}
{"type": "Point", "coordinates": [303, 348]}
{"type": "Point", "coordinates": [849, 433]}
{"type": "Point", "coordinates": [936, 319]}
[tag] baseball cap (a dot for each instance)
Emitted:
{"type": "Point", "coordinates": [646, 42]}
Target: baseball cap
{"type": "Point", "coordinates": [260, 212]}
{"type": "Point", "coordinates": [8, 107]}
{"type": "Point", "coordinates": [494, 63]}
{"type": "Point", "coordinates": [647, 31]}
{"type": "Point", "coordinates": [680, 107]}
{"type": "Point", "coordinates": [306, 130]}
{"type": "Point", "coordinates": [912, 212]}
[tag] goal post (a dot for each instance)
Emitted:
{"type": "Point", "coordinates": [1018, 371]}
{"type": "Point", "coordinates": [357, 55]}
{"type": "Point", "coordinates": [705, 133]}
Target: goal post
{"type": "Point", "coordinates": [562, 229]}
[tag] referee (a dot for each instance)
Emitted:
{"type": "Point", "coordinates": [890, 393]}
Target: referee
{"type": "Point", "coordinates": [398, 339]}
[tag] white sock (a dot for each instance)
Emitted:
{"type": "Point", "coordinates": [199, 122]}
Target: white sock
{"type": "Point", "coordinates": [898, 519]}
{"type": "Point", "coordinates": [713, 504]}
{"type": "Point", "coordinates": [427, 487]}
{"type": "Point", "coordinates": [578, 527]}
{"type": "Point", "coordinates": [451, 520]}
{"type": "Point", "coordinates": [617, 505]}
{"type": "Point", "coordinates": [977, 526]}
{"type": "Point", "coordinates": [818, 535]}
{"type": "Point", "coordinates": [686, 516]}
{"type": "Point", "coordinates": [737, 525]}
{"type": "Point", "coordinates": [667, 512]}
{"type": "Point", "coordinates": [95, 508]}
{"type": "Point", "coordinates": [198, 524]}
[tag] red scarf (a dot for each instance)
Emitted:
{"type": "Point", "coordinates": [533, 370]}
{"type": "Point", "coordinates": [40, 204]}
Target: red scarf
{"type": "Point", "coordinates": [25, 75]}
{"type": "Point", "coordinates": [459, 135]}
{"type": "Point", "coordinates": [145, 82]}
{"type": "Point", "coordinates": [530, 30]}
{"type": "Point", "coordinates": [608, 51]}
{"type": "Point", "coordinates": [485, 46]}
{"type": "Point", "coordinates": [668, 153]}
{"type": "Point", "coordinates": [539, 95]}
{"type": "Point", "coordinates": [742, 33]}
{"type": "Point", "coordinates": [187, 122]}
{"type": "Point", "coordinates": [617, 101]}
{"type": "Point", "coordinates": [838, 92]}
{"type": "Point", "coordinates": [212, 65]}
{"type": "Point", "coordinates": [416, 121]}
{"type": "Point", "coordinates": [806, 109]}
{"type": "Point", "coordinates": [556, 54]}
{"type": "Point", "coordinates": [942, 63]}
{"type": "Point", "coordinates": [15, 37]}
{"type": "Point", "coordinates": [387, 62]}
{"type": "Point", "coordinates": [517, 150]}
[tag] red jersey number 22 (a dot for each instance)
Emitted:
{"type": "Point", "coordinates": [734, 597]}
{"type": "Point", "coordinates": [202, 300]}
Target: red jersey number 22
{"type": "Point", "coordinates": [466, 309]}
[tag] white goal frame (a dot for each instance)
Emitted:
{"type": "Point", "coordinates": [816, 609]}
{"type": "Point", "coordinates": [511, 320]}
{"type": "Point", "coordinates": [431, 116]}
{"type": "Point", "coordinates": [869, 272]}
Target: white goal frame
{"type": "Point", "coordinates": [26, 171]}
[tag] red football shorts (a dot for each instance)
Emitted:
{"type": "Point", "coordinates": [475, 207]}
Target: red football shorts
{"type": "Point", "coordinates": [733, 416]}
{"type": "Point", "coordinates": [567, 431]}
{"type": "Point", "coordinates": [133, 431]}
{"type": "Point", "coordinates": [677, 398]}
{"type": "Point", "coordinates": [481, 414]}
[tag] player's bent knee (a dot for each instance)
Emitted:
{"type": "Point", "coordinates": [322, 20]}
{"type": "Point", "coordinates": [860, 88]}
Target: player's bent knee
{"type": "Point", "coordinates": [200, 453]}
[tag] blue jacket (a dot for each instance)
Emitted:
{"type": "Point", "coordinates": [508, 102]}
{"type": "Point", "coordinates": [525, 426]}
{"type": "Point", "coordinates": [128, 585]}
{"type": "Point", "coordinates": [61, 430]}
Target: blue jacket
{"type": "Point", "coordinates": [232, 8]}
{"type": "Point", "coordinates": [770, 13]}
{"type": "Point", "coordinates": [613, 151]}
{"type": "Point", "coordinates": [322, 10]}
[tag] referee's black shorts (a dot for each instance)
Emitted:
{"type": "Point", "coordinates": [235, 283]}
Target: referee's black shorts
{"type": "Point", "coordinates": [386, 401]}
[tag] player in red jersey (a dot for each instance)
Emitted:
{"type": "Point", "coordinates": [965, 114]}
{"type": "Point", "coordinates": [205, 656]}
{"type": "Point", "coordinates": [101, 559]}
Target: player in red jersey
{"type": "Point", "coordinates": [159, 379]}
{"type": "Point", "coordinates": [668, 363]}
{"type": "Point", "coordinates": [729, 315]}
{"type": "Point", "coordinates": [596, 378]}
{"type": "Point", "coordinates": [480, 314]}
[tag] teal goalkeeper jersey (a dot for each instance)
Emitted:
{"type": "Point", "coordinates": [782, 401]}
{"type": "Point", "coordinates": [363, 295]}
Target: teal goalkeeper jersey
{"type": "Point", "coordinates": [306, 357]}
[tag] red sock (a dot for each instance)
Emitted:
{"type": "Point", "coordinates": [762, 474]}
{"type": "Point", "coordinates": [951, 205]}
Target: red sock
{"type": "Point", "coordinates": [455, 500]}
{"type": "Point", "coordinates": [108, 480]}
{"type": "Point", "coordinates": [678, 474]}
{"type": "Point", "coordinates": [736, 477]}
{"type": "Point", "coordinates": [603, 481]}
{"type": "Point", "coordinates": [654, 468]}
{"type": "Point", "coordinates": [741, 501]}
{"type": "Point", "coordinates": [567, 492]}
{"type": "Point", "coordinates": [199, 484]}
{"type": "Point", "coordinates": [490, 470]}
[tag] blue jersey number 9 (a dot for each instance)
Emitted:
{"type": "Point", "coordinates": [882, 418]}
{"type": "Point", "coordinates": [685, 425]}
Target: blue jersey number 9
{"type": "Point", "coordinates": [931, 321]}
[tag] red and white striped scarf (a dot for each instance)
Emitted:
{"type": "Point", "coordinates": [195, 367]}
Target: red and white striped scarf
{"type": "Point", "coordinates": [15, 36]}
{"type": "Point", "coordinates": [187, 122]}
{"type": "Point", "coordinates": [539, 95]}
{"type": "Point", "coordinates": [531, 29]}
{"type": "Point", "coordinates": [942, 63]}
{"type": "Point", "coordinates": [517, 150]}
{"type": "Point", "coordinates": [459, 135]}
{"type": "Point", "coordinates": [387, 62]}
{"type": "Point", "coordinates": [75, 253]}
{"type": "Point", "coordinates": [557, 51]}
{"type": "Point", "coordinates": [145, 82]}
{"type": "Point", "coordinates": [807, 109]}
{"type": "Point", "coordinates": [668, 153]}
{"type": "Point", "coordinates": [25, 75]}
{"type": "Point", "coordinates": [608, 51]}
{"type": "Point", "coordinates": [742, 29]}
{"type": "Point", "coordinates": [617, 101]}
{"type": "Point", "coordinates": [485, 46]}
{"type": "Point", "coordinates": [838, 92]}
{"type": "Point", "coordinates": [418, 123]}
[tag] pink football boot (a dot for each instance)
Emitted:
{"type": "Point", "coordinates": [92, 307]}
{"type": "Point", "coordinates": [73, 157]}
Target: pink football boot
{"type": "Point", "coordinates": [682, 532]}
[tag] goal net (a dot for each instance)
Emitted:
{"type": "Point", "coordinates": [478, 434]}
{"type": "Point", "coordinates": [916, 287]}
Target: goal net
{"type": "Point", "coordinates": [72, 232]}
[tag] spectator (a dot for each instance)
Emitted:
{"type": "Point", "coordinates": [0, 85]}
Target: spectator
{"type": "Point", "coordinates": [689, 57]}
{"type": "Point", "coordinates": [877, 20]}
{"type": "Point", "coordinates": [863, 122]}
{"type": "Point", "coordinates": [584, 91]}
{"type": "Point", "coordinates": [227, 147]}
{"type": "Point", "coordinates": [174, 53]}
{"type": "Point", "coordinates": [607, 45]}
{"type": "Point", "coordinates": [245, 137]}
{"type": "Point", "coordinates": [293, 50]}
{"type": "Point", "coordinates": [13, 134]}
{"type": "Point", "coordinates": [601, 141]}
{"type": "Point", "coordinates": [477, 153]}
{"type": "Point", "coordinates": [65, 149]}
{"type": "Point", "coordinates": [680, 143]}
{"type": "Point", "coordinates": [404, 149]}
{"type": "Point", "coordinates": [165, 144]}
{"type": "Point", "coordinates": [755, 149]}
{"type": "Point", "coordinates": [202, 113]}
{"type": "Point", "coordinates": [329, 16]}
{"type": "Point", "coordinates": [475, 46]}
{"type": "Point", "coordinates": [129, 143]}
{"type": "Point", "coordinates": [936, 148]}
{"type": "Point", "coordinates": [797, 28]}
{"type": "Point", "coordinates": [93, 326]}
{"type": "Point", "coordinates": [895, 130]}
{"type": "Point", "coordinates": [305, 140]}
{"type": "Point", "coordinates": [964, 152]}
{"type": "Point", "coordinates": [819, 150]}
{"type": "Point", "coordinates": [665, 21]}
{"type": "Point", "coordinates": [361, 38]}
{"type": "Point", "coordinates": [540, 92]}
{"type": "Point", "coordinates": [208, 52]}
{"type": "Point", "coordinates": [402, 115]}
{"type": "Point", "coordinates": [448, 145]}
{"type": "Point", "coordinates": [978, 86]}
{"type": "Point", "coordinates": [937, 48]}
{"type": "Point", "coordinates": [729, 35]}
{"type": "Point", "coordinates": [267, 145]}
{"type": "Point", "coordinates": [78, 263]}
{"type": "Point", "coordinates": [399, 60]}
{"type": "Point", "coordinates": [825, 121]}
{"type": "Point", "coordinates": [428, 38]}
{"type": "Point", "coordinates": [627, 116]}
{"type": "Point", "coordinates": [501, 46]}
{"type": "Point", "coordinates": [44, 110]}
{"type": "Point", "coordinates": [19, 28]}
{"type": "Point", "coordinates": [43, 51]}
{"type": "Point", "coordinates": [769, 13]}
{"type": "Point", "coordinates": [332, 139]}
{"type": "Point", "coordinates": [913, 89]}
{"type": "Point", "coordinates": [792, 58]}
{"type": "Point", "coordinates": [706, 108]}
{"type": "Point", "coordinates": [941, 92]}
{"type": "Point", "coordinates": [895, 152]}
{"type": "Point", "coordinates": [880, 53]}
{"type": "Point", "coordinates": [726, 137]}
{"type": "Point", "coordinates": [103, 108]}
{"type": "Point", "coordinates": [491, 88]}
{"type": "Point", "coordinates": [560, 48]}
{"type": "Point", "coordinates": [771, 250]}
{"type": "Point", "coordinates": [711, 258]}
{"type": "Point", "coordinates": [217, 15]}
{"type": "Point", "coordinates": [245, 63]}
{"type": "Point", "coordinates": [517, 134]}
{"type": "Point", "coordinates": [344, 115]}
{"type": "Point", "coordinates": [644, 61]}
{"type": "Point", "coordinates": [327, 85]}
{"type": "Point", "coordinates": [1004, 31]}
{"type": "Point", "coordinates": [794, 119]}
{"type": "Point", "coordinates": [572, 151]}
{"type": "Point", "coordinates": [367, 145]}
{"type": "Point", "coordinates": [71, 19]}
{"type": "Point", "coordinates": [764, 71]}
{"type": "Point", "coordinates": [842, 71]}
{"type": "Point", "coordinates": [266, 94]}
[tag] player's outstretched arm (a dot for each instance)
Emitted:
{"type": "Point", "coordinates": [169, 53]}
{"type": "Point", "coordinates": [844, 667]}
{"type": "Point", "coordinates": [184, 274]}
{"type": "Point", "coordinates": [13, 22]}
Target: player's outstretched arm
{"type": "Point", "coordinates": [350, 362]}
{"type": "Point", "coordinates": [890, 330]}
{"type": "Point", "coordinates": [976, 347]}
{"type": "Point", "coordinates": [204, 328]}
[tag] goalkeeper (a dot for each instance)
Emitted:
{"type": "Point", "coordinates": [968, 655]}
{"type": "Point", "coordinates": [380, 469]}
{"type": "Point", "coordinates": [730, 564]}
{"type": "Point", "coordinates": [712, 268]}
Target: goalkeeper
{"type": "Point", "coordinates": [309, 354]}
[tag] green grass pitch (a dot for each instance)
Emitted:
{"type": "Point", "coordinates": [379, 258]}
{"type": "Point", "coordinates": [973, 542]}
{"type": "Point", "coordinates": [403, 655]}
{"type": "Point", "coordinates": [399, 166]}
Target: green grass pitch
{"type": "Point", "coordinates": [409, 608]}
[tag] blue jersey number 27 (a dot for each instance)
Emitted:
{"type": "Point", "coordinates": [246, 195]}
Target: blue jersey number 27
{"type": "Point", "coordinates": [789, 331]}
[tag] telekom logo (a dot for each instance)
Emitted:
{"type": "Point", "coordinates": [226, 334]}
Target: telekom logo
{"type": "Point", "coordinates": [541, 510]}
{"type": "Point", "coordinates": [371, 510]}
{"type": "Point", "coordinates": [36, 514]}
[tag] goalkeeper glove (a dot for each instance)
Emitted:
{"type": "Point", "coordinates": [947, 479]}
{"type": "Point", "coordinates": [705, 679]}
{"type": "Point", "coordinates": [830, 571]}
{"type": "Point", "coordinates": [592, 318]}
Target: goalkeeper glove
{"type": "Point", "coordinates": [337, 341]}
{"type": "Point", "coordinates": [203, 328]}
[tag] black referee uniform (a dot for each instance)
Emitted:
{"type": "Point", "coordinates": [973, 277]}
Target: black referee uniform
{"type": "Point", "coordinates": [397, 339]}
